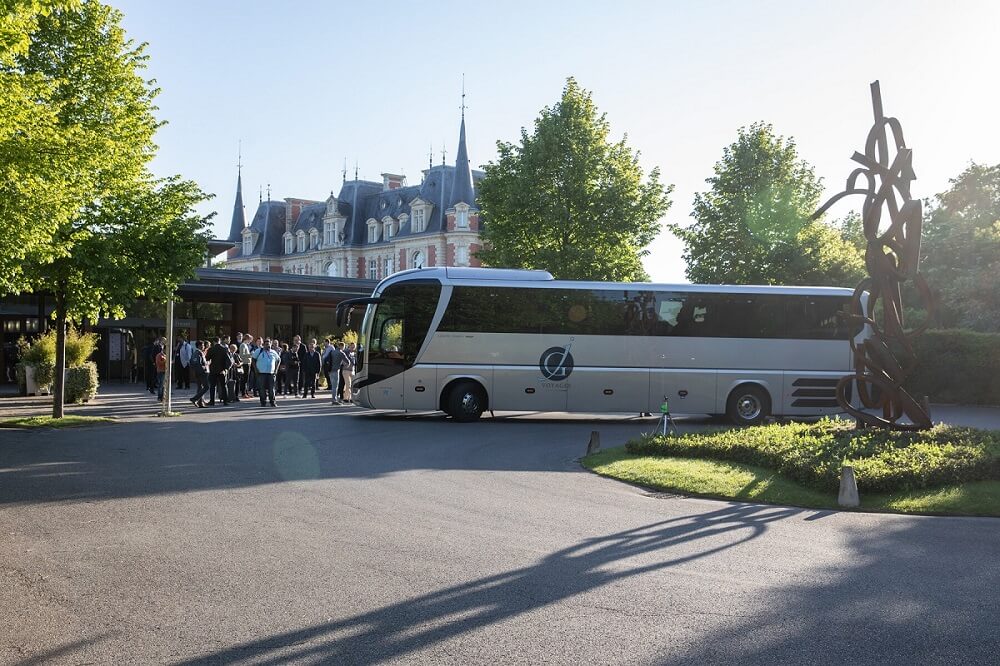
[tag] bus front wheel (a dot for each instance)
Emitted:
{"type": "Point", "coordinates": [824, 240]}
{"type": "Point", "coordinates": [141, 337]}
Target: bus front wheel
{"type": "Point", "coordinates": [748, 405]}
{"type": "Point", "coordinates": [466, 401]}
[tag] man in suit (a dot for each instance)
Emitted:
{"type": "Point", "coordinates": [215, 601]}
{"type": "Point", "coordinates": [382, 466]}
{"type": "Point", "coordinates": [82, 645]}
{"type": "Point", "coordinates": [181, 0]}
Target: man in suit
{"type": "Point", "coordinates": [200, 367]}
{"type": "Point", "coordinates": [219, 361]}
{"type": "Point", "coordinates": [311, 366]}
{"type": "Point", "coordinates": [301, 379]}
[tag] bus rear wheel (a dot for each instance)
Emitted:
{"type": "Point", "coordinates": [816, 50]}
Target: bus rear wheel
{"type": "Point", "coordinates": [748, 405]}
{"type": "Point", "coordinates": [466, 401]}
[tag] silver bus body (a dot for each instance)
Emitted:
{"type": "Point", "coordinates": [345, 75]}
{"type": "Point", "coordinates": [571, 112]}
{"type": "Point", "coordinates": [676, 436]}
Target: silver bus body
{"type": "Point", "coordinates": [608, 373]}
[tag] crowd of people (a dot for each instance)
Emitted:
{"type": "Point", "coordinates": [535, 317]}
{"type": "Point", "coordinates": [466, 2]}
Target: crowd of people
{"type": "Point", "coordinates": [245, 367]}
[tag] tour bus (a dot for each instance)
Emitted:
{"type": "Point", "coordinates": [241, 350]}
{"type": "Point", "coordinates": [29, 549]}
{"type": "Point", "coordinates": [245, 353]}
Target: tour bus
{"type": "Point", "coordinates": [468, 340]}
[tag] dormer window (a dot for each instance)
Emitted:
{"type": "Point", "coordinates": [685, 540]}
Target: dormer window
{"type": "Point", "coordinates": [462, 216]}
{"type": "Point", "coordinates": [313, 239]}
{"type": "Point", "coordinates": [249, 240]}
{"type": "Point", "coordinates": [329, 232]}
{"type": "Point", "coordinates": [372, 231]}
{"type": "Point", "coordinates": [420, 212]}
{"type": "Point", "coordinates": [289, 243]}
{"type": "Point", "coordinates": [301, 238]}
{"type": "Point", "coordinates": [387, 228]}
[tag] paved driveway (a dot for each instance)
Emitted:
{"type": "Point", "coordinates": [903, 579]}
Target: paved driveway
{"type": "Point", "coordinates": [316, 534]}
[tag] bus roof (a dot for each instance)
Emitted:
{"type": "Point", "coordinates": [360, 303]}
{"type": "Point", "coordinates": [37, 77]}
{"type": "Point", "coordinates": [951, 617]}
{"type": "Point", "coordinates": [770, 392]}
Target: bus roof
{"type": "Point", "coordinates": [509, 277]}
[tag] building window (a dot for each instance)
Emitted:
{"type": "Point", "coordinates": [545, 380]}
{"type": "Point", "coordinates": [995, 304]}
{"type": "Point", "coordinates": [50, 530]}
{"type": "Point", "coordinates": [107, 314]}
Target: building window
{"type": "Point", "coordinates": [372, 270]}
{"type": "Point", "coordinates": [418, 220]}
{"type": "Point", "coordinates": [462, 217]}
{"type": "Point", "coordinates": [418, 259]}
{"type": "Point", "coordinates": [388, 267]}
{"type": "Point", "coordinates": [289, 244]}
{"type": "Point", "coordinates": [462, 256]}
{"type": "Point", "coordinates": [372, 231]}
{"type": "Point", "coordinates": [328, 233]}
{"type": "Point", "coordinates": [333, 270]}
{"type": "Point", "coordinates": [387, 230]}
{"type": "Point", "coordinates": [313, 239]}
{"type": "Point", "coordinates": [301, 241]}
{"type": "Point", "coordinates": [247, 244]}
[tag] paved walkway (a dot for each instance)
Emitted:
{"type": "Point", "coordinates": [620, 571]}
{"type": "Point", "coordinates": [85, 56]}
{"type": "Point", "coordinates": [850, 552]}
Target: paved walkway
{"type": "Point", "coordinates": [132, 401]}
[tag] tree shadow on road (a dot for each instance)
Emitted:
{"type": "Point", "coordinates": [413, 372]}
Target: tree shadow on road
{"type": "Point", "coordinates": [913, 591]}
{"type": "Point", "coordinates": [399, 629]}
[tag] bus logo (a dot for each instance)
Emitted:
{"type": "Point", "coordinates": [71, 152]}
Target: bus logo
{"type": "Point", "coordinates": [556, 363]}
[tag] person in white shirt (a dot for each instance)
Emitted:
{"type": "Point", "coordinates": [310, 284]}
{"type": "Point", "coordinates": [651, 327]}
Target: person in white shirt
{"type": "Point", "coordinates": [266, 362]}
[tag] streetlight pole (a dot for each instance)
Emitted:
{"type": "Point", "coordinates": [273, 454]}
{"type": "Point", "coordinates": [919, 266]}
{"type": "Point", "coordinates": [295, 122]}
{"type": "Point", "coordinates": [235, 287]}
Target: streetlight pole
{"type": "Point", "coordinates": [169, 353]}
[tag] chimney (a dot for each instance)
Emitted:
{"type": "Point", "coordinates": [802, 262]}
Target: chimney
{"type": "Point", "coordinates": [393, 181]}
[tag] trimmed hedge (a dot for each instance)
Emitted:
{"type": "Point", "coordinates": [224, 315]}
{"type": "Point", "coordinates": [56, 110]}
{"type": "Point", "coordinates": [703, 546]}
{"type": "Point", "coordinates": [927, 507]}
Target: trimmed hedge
{"type": "Point", "coordinates": [81, 383]}
{"type": "Point", "coordinates": [813, 453]}
{"type": "Point", "coordinates": [957, 366]}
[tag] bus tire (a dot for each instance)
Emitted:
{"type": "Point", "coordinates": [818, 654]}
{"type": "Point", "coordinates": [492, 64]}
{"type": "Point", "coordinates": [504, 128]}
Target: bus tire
{"type": "Point", "coordinates": [466, 401]}
{"type": "Point", "coordinates": [748, 404]}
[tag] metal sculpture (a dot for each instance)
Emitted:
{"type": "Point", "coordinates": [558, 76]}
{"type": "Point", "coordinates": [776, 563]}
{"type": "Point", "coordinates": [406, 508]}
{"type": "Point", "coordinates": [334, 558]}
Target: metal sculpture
{"type": "Point", "coordinates": [892, 257]}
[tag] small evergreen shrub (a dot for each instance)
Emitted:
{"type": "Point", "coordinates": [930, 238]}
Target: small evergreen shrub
{"type": "Point", "coordinates": [81, 383]}
{"type": "Point", "coordinates": [813, 453]}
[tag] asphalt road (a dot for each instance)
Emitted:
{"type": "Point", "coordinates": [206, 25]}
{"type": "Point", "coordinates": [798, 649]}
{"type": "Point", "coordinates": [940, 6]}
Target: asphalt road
{"type": "Point", "coordinates": [312, 534]}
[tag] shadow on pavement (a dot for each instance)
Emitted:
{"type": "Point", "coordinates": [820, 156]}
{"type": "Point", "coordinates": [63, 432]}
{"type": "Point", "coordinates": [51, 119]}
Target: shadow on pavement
{"type": "Point", "coordinates": [399, 629]}
{"type": "Point", "coordinates": [918, 592]}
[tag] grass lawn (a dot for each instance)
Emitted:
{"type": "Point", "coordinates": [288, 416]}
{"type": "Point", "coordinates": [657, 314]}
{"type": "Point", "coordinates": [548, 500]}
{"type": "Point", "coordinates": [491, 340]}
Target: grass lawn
{"type": "Point", "coordinates": [69, 421]}
{"type": "Point", "coordinates": [728, 480]}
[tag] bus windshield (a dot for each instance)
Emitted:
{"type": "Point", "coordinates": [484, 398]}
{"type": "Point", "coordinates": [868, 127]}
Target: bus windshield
{"type": "Point", "coordinates": [396, 328]}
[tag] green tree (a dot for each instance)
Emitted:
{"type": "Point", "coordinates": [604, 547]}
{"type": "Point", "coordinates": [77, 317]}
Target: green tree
{"type": "Point", "coordinates": [752, 226]}
{"type": "Point", "coordinates": [961, 249]}
{"type": "Point", "coordinates": [44, 162]}
{"type": "Point", "coordinates": [127, 234]}
{"type": "Point", "coordinates": [567, 200]}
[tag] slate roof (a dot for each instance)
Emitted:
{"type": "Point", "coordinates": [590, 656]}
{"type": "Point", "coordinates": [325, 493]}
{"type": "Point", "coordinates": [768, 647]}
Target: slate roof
{"type": "Point", "coordinates": [462, 189]}
{"type": "Point", "coordinates": [239, 214]}
{"type": "Point", "coordinates": [361, 200]}
{"type": "Point", "coordinates": [269, 223]}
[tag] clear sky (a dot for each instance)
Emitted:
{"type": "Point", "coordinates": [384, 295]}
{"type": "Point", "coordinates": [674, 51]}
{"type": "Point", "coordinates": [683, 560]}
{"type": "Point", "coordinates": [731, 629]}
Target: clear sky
{"type": "Point", "coordinates": [305, 85]}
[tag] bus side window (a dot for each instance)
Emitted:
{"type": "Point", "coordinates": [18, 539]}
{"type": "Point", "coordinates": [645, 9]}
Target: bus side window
{"type": "Point", "coordinates": [668, 308]}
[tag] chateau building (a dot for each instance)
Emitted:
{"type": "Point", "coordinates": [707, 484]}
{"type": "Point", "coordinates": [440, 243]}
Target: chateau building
{"type": "Point", "coordinates": [369, 230]}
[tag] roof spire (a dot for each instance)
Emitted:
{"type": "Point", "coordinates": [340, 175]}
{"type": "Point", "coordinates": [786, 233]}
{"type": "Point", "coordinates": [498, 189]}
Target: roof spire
{"type": "Point", "coordinates": [355, 169]}
{"type": "Point", "coordinates": [430, 157]}
{"type": "Point", "coordinates": [462, 189]}
{"type": "Point", "coordinates": [239, 221]}
{"type": "Point", "coordinates": [344, 172]}
{"type": "Point", "coordinates": [463, 96]}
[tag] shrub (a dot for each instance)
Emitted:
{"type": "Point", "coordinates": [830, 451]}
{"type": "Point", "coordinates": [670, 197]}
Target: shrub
{"type": "Point", "coordinates": [22, 382]}
{"type": "Point", "coordinates": [813, 453]}
{"type": "Point", "coordinates": [957, 366]}
{"type": "Point", "coordinates": [81, 383]}
{"type": "Point", "coordinates": [41, 353]}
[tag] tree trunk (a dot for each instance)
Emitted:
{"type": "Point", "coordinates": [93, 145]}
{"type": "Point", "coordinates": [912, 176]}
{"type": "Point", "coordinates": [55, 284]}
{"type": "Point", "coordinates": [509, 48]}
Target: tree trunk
{"type": "Point", "coordinates": [59, 389]}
